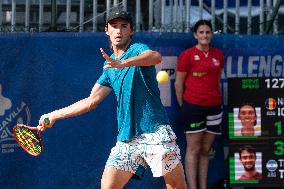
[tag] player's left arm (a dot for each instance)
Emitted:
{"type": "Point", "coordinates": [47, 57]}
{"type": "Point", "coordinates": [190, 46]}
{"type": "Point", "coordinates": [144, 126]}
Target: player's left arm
{"type": "Point", "coordinates": [147, 58]}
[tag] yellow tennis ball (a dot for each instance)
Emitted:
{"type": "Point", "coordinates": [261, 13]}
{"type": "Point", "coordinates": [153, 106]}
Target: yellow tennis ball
{"type": "Point", "coordinates": [257, 128]}
{"type": "Point", "coordinates": [162, 77]}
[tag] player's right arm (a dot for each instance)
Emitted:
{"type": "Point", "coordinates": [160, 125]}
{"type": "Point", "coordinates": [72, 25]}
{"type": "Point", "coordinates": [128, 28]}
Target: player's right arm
{"type": "Point", "coordinates": [97, 95]}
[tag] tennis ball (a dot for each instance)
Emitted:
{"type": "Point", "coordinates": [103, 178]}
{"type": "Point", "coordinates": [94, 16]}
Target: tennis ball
{"type": "Point", "coordinates": [257, 128]}
{"type": "Point", "coordinates": [162, 77]}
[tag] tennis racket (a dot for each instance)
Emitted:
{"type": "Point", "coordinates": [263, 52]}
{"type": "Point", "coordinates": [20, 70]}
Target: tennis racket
{"type": "Point", "coordinates": [29, 138]}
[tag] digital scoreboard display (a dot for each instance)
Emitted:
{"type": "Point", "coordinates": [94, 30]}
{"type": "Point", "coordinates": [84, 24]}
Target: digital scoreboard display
{"type": "Point", "coordinates": [256, 133]}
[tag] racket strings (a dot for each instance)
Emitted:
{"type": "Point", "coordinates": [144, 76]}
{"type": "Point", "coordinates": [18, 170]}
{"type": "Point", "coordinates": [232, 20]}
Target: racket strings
{"type": "Point", "coordinates": [28, 140]}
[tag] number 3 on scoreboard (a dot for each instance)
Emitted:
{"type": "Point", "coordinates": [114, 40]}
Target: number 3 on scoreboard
{"type": "Point", "coordinates": [279, 147]}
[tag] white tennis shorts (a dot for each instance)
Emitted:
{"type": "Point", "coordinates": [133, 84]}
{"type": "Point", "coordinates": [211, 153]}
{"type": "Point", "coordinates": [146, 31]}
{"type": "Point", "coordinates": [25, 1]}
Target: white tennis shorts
{"type": "Point", "coordinates": [158, 150]}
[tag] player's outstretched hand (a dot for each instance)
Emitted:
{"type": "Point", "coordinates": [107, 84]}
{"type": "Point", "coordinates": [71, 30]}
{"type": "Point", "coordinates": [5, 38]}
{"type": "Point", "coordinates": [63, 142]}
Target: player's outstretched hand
{"type": "Point", "coordinates": [111, 63]}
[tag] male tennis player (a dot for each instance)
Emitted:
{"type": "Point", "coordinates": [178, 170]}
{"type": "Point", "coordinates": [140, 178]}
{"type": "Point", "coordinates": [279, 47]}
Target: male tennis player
{"type": "Point", "coordinates": [248, 159]}
{"type": "Point", "coordinates": [248, 118]}
{"type": "Point", "coordinates": [144, 134]}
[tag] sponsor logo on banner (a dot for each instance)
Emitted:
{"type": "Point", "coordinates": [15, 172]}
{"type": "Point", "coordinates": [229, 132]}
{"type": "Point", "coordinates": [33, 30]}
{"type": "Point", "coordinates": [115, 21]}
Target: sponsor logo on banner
{"type": "Point", "coordinates": [11, 113]}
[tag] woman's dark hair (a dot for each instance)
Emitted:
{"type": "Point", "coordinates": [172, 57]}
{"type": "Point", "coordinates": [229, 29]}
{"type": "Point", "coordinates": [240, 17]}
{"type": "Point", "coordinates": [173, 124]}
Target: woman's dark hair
{"type": "Point", "coordinates": [200, 23]}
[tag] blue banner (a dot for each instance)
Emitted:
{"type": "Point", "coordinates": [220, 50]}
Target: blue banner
{"type": "Point", "coordinates": [41, 72]}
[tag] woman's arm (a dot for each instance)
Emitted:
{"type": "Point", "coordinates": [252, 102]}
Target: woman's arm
{"type": "Point", "coordinates": [179, 86]}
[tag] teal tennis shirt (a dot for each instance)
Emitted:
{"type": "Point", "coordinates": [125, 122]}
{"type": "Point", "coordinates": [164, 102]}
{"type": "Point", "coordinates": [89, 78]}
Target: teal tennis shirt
{"type": "Point", "coordinates": [139, 108]}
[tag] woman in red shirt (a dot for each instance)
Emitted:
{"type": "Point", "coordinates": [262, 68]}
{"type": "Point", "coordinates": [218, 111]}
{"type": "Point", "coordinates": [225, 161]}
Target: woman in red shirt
{"type": "Point", "coordinates": [198, 94]}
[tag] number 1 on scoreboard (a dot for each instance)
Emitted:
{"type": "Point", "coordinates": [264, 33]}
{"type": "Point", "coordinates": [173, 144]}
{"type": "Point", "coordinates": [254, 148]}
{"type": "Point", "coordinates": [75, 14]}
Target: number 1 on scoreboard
{"type": "Point", "coordinates": [278, 126]}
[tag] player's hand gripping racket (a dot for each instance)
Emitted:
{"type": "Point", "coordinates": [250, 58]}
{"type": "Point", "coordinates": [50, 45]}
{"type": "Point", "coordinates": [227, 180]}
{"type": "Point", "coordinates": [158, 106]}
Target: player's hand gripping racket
{"type": "Point", "coordinates": [29, 138]}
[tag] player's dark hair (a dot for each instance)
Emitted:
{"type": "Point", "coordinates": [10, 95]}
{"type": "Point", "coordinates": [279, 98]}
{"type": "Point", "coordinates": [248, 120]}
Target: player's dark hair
{"type": "Point", "coordinates": [118, 12]}
{"type": "Point", "coordinates": [247, 148]}
{"type": "Point", "coordinates": [200, 23]}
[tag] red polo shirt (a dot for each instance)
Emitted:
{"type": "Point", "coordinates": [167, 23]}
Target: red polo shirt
{"type": "Point", "coordinates": [202, 84]}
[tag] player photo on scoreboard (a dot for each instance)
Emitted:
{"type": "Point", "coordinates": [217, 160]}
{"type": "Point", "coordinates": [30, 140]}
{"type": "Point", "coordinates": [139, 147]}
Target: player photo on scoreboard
{"type": "Point", "coordinates": [247, 120]}
{"type": "Point", "coordinates": [247, 165]}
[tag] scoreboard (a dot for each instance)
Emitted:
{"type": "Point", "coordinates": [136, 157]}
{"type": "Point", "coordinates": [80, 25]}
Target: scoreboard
{"type": "Point", "coordinates": [255, 122]}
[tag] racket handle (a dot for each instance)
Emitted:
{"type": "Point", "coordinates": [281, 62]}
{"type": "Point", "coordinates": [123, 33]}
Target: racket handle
{"type": "Point", "coordinates": [46, 121]}
{"type": "Point", "coordinates": [31, 128]}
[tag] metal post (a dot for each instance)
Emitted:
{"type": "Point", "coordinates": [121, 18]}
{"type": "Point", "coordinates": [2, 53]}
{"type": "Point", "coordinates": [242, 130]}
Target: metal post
{"type": "Point", "coordinates": [274, 14]}
{"type": "Point", "coordinates": [1, 15]}
{"type": "Point", "coordinates": [225, 16]}
{"type": "Point", "coordinates": [27, 16]}
{"type": "Point", "coordinates": [249, 17]}
{"type": "Point", "coordinates": [115, 3]}
{"type": "Point", "coordinates": [275, 23]}
{"type": "Point", "coordinates": [108, 5]}
{"type": "Point", "coordinates": [213, 5]}
{"type": "Point", "coordinates": [68, 11]}
{"type": "Point", "coordinates": [81, 24]}
{"type": "Point", "coordinates": [175, 16]}
{"type": "Point", "coordinates": [268, 11]}
{"type": "Point", "coordinates": [95, 15]}
{"type": "Point", "coordinates": [150, 22]}
{"type": "Point", "coordinates": [138, 14]}
{"type": "Point", "coordinates": [187, 15]}
{"type": "Point", "coordinates": [124, 5]}
{"type": "Point", "coordinates": [163, 5]}
{"type": "Point", "coordinates": [181, 12]}
{"type": "Point", "coordinates": [261, 18]}
{"type": "Point", "coordinates": [40, 18]}
{"type": "Point", "coordinates": [237, 17]}
{"type": "Point", "coordinates": [171, 15]}
{"type": "Point", "coordinates": [200, 9]}
{"type": "Point", "coordinates": [53, 15]}
{"type": "Point", "coordinates": [13, 19]}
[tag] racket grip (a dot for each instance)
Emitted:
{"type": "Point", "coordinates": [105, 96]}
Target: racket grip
{"type": "Point", "coordinates": [46, 121]}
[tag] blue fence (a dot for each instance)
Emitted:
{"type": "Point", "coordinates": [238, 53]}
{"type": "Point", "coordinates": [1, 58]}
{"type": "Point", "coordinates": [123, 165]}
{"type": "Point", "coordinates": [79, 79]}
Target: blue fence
{"type": "Point", "coordinates": [46, 71]}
